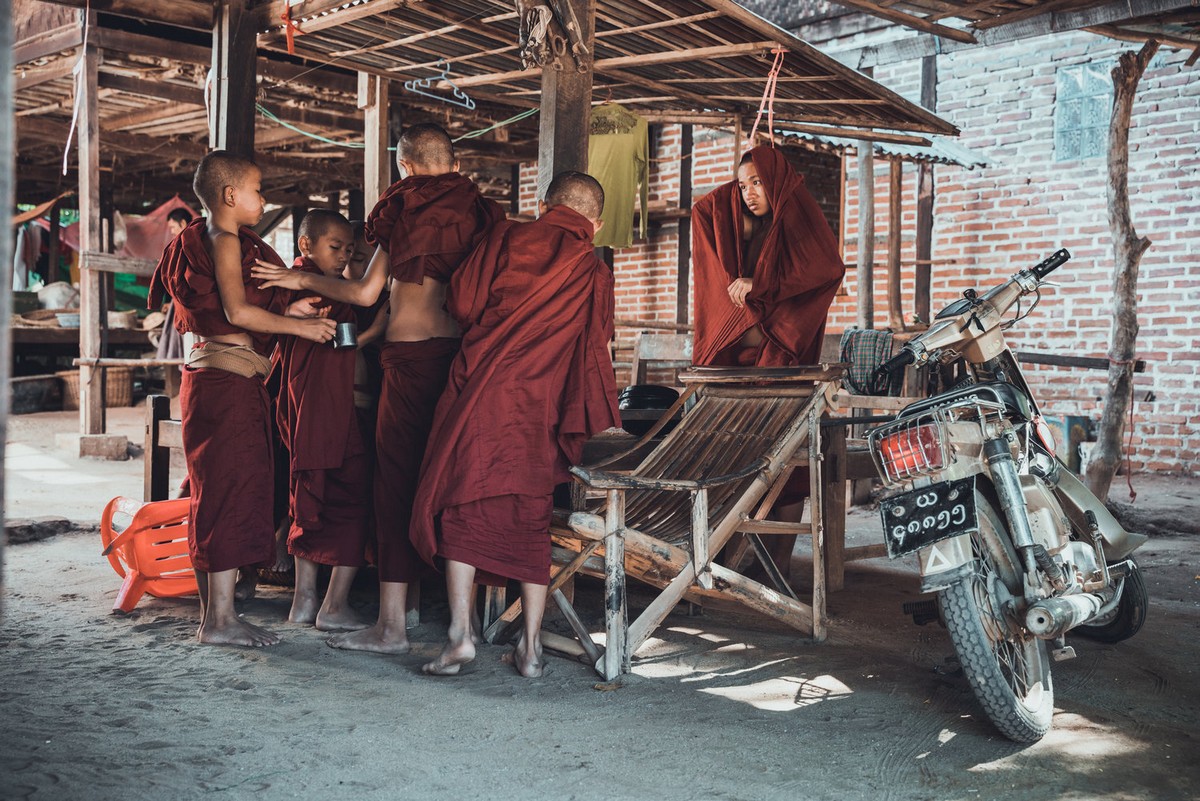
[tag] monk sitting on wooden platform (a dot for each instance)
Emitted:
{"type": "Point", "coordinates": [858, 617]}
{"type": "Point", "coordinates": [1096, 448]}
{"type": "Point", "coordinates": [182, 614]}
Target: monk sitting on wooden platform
{"type": "Point", "coordinates": [328, 471]}
{"type": "Point", "coordinates": [424, 226]}
{"type": "Point", "coordinates": [226, 417]}
{"type": "Point", "coordinates": [532, 382]}
{"type": "Point", "coordinates": [767, 269]}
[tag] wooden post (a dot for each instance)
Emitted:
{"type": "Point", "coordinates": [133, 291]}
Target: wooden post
{"type": "Point", "coordinates": [895, 244]}
{"type": "Point", "coordinates": [91, 393]}
{"type": "Point", "coordinates": [565, 122]}
{"type": "Point", "coordinates": [377, 167]}
{"type": "Point", "coordinates": [234, 83]}
{"type": "Point", "coordinates": [616, 616]}
{"type": "Point", "coordinates": [864, 273]}
{"type": "Point", "coordinates": [684, 261]}
{"type": "Point", "coordinates": [922, 275]}
{"type": "Point", "coordinates": [7, 199]}
{"type": "Point", "coordinates": [54, 246]}
{"type": "Point", "coordinates": [1128, 249]}
{"type": "Point", "coordinates": [739, 133]}
{"type": "Point", "coordinates": [298, 213]}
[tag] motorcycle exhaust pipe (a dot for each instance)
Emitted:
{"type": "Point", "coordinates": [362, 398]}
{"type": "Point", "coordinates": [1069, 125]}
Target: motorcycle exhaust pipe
{"type": "Point", "coordinates": [1053, 617]}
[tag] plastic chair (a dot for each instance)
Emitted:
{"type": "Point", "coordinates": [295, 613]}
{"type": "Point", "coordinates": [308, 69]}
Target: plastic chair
{"type": "Point", "coordinates": [150, 550]}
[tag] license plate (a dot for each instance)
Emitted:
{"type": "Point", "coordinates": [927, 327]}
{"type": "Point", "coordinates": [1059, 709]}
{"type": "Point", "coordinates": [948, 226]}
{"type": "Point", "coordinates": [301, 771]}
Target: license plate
{"type": "Point", "coordinates": [931, 514]}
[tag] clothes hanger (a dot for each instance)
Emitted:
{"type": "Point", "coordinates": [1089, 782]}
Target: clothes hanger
{"type": "Point", "coordinates": [458, 98]}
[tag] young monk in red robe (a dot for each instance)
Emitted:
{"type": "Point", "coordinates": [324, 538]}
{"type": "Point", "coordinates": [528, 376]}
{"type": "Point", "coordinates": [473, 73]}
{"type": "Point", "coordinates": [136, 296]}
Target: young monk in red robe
{"type": "Point", "coordinates": [328, 460]}
{"type": "Point", "coordinates": [766, 268]}
{"type": "Point", "coordinates": [533, 381]}
{"type": "Point", "coordinates": [424, 226]}
{"type": "Point", "coordinates": [226, 421]}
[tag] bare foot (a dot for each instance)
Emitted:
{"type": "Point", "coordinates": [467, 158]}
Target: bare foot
{"type": "Point", "coordinates": [343, 620]}
{"type": "Point", "coordinates": [378, 639]}
{"type": "Point", "coordinates": [247, 584]}
{"type": "Point", "coordinates": [528, 663]}
{"type": "Point", "coordinates": [304, 609]}
{"type": "Point", "coordinates": [451, 660]}
{"type": "Point", "coordinates": [236, 632]}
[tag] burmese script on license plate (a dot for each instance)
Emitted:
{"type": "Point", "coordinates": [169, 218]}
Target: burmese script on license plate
{"type": "Point", "coordinates": [931, 514]}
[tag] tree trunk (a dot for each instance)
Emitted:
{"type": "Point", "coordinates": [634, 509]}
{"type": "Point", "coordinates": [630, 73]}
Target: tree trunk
{"type": "Point", "coordinates": [1128, 248]}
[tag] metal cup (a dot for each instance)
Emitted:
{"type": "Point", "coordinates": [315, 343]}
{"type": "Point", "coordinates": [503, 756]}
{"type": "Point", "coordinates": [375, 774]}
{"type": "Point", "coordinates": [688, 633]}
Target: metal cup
{"type": "Point", "coordinates": [346, 336]}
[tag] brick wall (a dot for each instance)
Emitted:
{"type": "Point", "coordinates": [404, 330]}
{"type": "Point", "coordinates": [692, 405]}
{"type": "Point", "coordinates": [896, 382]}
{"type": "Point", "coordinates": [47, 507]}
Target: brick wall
{"type": "Point", "coordinates": [991, 221]}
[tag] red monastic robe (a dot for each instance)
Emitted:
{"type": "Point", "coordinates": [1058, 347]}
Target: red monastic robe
{"type": "Point", "coordinates": [226, 417]}
{"type": "Point", "coordinates": [532, 382]}
{"type": "Point", "coordinates": [328, 463]}
{"type": "Point", "coordinates": [797, 274]}
{"type": "Point", "coordinates": [427, 225]}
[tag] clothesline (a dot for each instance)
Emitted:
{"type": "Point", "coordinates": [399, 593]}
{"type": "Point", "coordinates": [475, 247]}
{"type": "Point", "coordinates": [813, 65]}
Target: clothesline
{"type": "Point", "coordinates": [361, 146]}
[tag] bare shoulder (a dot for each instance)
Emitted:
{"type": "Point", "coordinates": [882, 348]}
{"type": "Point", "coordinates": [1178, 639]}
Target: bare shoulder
{"type": "Point", "coordinates": [225, 246]}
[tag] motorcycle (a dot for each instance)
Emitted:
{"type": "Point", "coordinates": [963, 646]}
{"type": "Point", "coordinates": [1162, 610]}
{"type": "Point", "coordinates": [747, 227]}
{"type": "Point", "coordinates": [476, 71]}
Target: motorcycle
{"type": "Point", "coordinates": [1017, 549]}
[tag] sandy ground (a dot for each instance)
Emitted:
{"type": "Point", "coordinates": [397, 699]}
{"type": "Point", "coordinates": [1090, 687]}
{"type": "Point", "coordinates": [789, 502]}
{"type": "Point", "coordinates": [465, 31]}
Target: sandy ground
{"type": "Point", "coordinates": [723, 705]}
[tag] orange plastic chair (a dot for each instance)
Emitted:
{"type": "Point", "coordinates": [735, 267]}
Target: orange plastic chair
{"type": "Point", "coordinates": [150, 549]}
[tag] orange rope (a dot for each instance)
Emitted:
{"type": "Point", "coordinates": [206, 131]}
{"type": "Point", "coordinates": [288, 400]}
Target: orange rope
{"type": "Point", "coordinates": [290, 30]}
{"type": "Point", "coordinates": [768, 99]}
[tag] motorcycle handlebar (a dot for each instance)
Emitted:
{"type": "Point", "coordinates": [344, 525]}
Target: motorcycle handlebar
{"type": "Point", "coordinates": [902, 359]}
{"type": "Point", "coordinates": [1055, 260]}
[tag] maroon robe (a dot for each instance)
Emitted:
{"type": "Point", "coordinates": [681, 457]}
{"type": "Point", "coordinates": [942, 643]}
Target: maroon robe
{"type": "Point", "coordinates": [226, 418]}
{"type": "Point", "coordinates": [327, 489]}
{"type": "Point", "coordinates": [427, 225]}
{"type": "Point", "coordinates": [532, 382]}
{"type": "Point", "coordinates": [424, 221]}
{"type": "Point", "coordinates": [796, 275]}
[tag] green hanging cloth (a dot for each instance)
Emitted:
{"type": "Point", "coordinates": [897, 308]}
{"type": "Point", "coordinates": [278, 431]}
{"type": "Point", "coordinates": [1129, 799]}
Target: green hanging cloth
{"type": "Point", "coordinates": [617, 158]}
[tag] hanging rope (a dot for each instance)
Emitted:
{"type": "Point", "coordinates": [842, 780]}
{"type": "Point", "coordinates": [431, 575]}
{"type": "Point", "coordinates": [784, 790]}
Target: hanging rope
{"type": "Point", "coordinates": [767, 103]}
{"type": "Point", "coordinates": [80, 84]}
{"type": "Point", "coordinates": [290, 30]}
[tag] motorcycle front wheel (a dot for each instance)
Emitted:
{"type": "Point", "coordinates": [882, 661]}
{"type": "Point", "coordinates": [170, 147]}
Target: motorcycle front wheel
{"type": "Point", "coordinates": [1008, 668]}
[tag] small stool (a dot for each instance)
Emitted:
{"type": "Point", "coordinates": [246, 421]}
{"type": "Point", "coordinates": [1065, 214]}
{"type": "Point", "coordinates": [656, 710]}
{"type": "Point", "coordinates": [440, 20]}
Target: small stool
{"type": "Point", "coordinates": [150, 550]}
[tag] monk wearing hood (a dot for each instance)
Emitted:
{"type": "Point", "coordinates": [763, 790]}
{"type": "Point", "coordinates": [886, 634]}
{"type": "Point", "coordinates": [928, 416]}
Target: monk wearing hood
{"type": "Point", "coordinates": [533, 381]}
{"type": "Point", "coordinates": [767, 269]}
{"type": "Point", "coordinates": [423, 228]}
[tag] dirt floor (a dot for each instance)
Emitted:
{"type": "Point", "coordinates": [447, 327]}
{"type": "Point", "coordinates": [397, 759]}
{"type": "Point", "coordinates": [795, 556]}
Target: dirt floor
{"type": "Point", "coordinates": [722, 705]}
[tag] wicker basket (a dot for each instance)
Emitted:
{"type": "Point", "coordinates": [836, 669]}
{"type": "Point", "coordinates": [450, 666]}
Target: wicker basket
{"type": "Point", "coordinates": [118, 388]}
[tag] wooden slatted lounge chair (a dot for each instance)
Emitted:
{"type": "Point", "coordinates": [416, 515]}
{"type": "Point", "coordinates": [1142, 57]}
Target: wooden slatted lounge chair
{"type": "Point", "coordinates": [715, 475]}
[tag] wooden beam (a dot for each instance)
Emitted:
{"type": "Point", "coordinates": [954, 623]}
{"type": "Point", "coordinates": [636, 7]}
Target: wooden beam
{"type": "Point", "coordinates": [7, 184]}
{"type": "Point", "coordinates": [565, 120]}
{"type": "Point", "coordinates": [234, 61]}
{"type": "Point", "coordinates": [163, 90]}
{"type": "Point", "coordinates": [910, 20]}
{"type": "Point", "coordinates": [111, 263]}
{"type": "Point", "coordinates": [196, 14]}
{"type": "Point", "coordinates": [30, 77]}
{"type": "Point", "coordinates": [895, 244]}
{"type": "Point", "coordinates": [689, 54]}
{"type": "Point", "coordinates": [1028, 12]}
{"type": "Point", "coordinates": [853, 133]}
{"type": "Point", "coordinates": [91, 390]}
{"type": "Point", "coordinates": [311, 16]}
{"type": "Point", "coordinates": [47, 43]}
{"type": "Point", "coordinates": [925, 197]}
{"type": "Point", "coordinates": [1054, 22]}
{"type": "Point", "coordinates": [864, 273]}
{"type": "Point", "coordinates": [666, 23]}
{"type": "Point", "coordinates": [684, 248]}
{"type": "Point", "coordinates": [377, 168]}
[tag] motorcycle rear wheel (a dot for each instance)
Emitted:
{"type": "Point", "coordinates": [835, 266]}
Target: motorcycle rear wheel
{"type": "Point", "coordinates": [1127, 619]}
{"type": "Point", "coordinates": [1008, 668]}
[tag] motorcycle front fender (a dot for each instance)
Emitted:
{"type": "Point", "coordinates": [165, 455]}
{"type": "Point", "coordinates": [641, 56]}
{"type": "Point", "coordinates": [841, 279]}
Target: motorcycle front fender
{"type": "Point", "coordinates": [945, 562]}
{"type": "Point", "coordinates": [1077, 500]}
